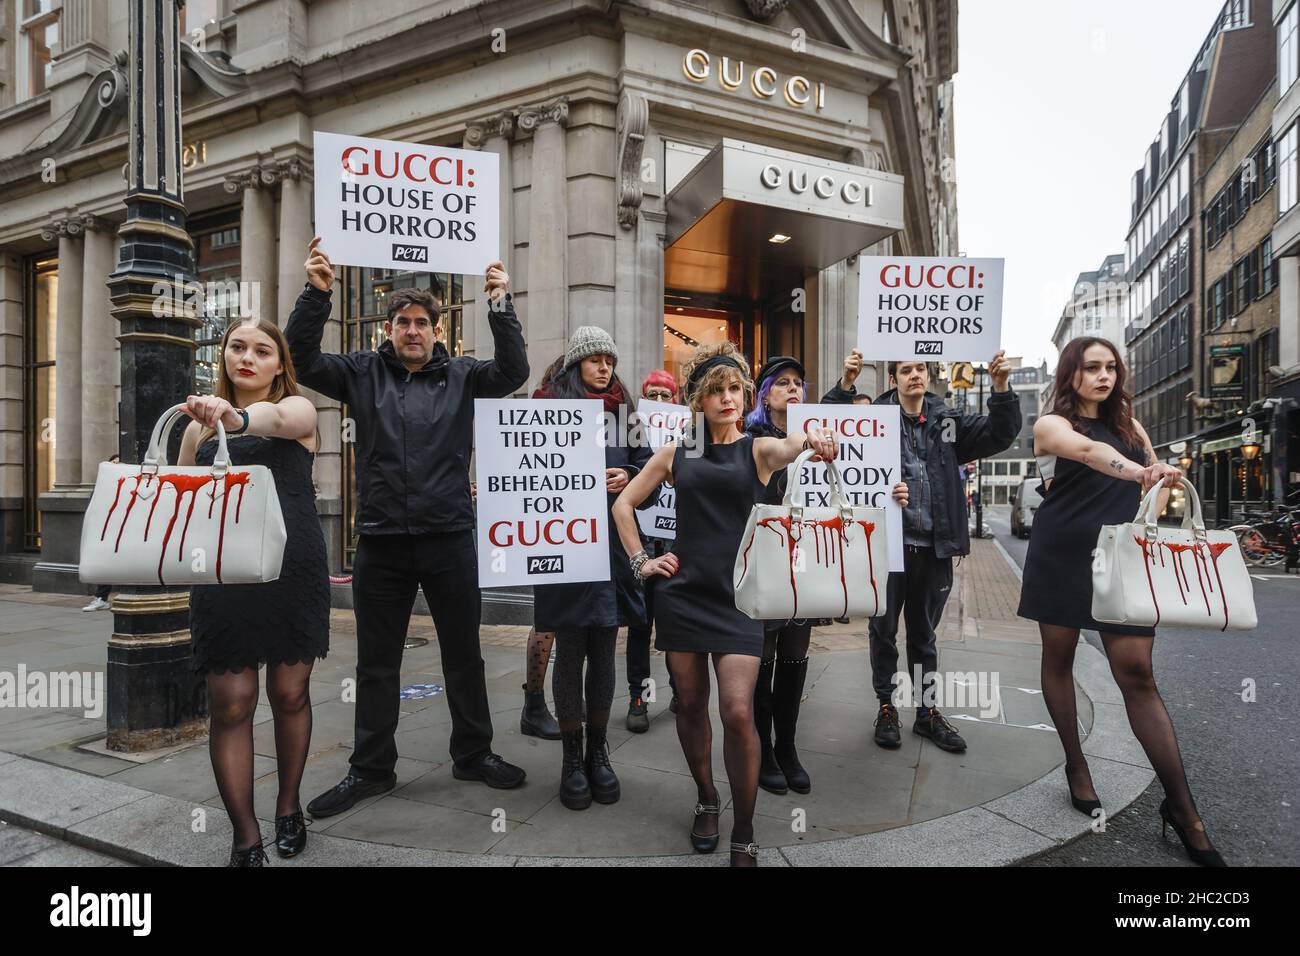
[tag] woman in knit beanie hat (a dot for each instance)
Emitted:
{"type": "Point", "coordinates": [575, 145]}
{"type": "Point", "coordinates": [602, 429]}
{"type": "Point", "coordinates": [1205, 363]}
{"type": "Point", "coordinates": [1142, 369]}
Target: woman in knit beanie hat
{"type": "Point", "coordinates": [586, 616]}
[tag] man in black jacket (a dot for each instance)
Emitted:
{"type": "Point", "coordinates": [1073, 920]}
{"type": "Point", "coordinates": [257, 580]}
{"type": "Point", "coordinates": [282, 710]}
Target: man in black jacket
{"type": "Point", "coordinates": [935, 441]}
{"type": "Point", "coordinates": [412, 406]}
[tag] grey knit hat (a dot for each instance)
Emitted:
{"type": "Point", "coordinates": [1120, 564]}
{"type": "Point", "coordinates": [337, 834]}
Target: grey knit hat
{"type": "Point", "coordinates": [589, 340]}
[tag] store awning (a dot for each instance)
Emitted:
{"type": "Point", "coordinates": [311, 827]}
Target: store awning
{"type": "Point", "coordinates": [747, 216]}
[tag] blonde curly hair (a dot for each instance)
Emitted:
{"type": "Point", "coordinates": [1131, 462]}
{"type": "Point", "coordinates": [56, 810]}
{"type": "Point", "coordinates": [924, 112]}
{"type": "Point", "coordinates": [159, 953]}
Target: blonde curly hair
{"type": "Point", "coordinates": [716, 379]}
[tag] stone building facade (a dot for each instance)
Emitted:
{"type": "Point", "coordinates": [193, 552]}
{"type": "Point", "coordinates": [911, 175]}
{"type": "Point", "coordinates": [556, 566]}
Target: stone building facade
{"type": "Point", "coordinates": [600, 113]}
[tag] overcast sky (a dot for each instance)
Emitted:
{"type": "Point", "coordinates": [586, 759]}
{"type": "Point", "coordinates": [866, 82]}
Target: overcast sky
{"type": "Point", "coordinates": [1056, 101]}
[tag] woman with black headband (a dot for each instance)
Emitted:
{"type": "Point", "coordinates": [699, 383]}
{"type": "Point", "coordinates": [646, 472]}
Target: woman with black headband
{"type": "Point", "coordinates": [718, 476]}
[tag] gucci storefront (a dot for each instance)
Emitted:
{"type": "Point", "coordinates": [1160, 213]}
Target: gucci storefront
{"type": "Point", "coordinates": [675, 172]}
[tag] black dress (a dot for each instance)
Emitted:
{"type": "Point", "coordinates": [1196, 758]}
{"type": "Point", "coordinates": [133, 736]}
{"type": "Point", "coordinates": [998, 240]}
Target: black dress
{"type": "Point", "coordinates": [695, 609]}
{"type": "Point", "coordinates": [285, 621]}
{"type": "Point", "coordinates": [1057, 584]}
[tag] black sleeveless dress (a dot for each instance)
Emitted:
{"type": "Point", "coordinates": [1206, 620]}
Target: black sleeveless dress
{"type": "Point", "coordinates": [286, 621]}
{"type": "Point", "coordinates": [1056, 587]}
{"type": "Point", "coordinates": [695, 609]}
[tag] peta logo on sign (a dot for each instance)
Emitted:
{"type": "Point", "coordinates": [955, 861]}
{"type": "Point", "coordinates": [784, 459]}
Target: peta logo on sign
{"type": "Point", "coordinates": [931, 347]}
{"type": "Point", "coordinates": [546, 564]}
{"type": "Point", "coordinates": [665, 523]}
{"type": "Point", "coordinates": [403, 253]}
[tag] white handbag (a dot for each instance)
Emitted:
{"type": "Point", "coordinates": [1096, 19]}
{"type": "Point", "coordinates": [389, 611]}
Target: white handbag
{"type": "Point", "coordinates": [797, 562]}
{"type": "Point", "coordinates": [1147, 575]}
{"type": "Point", "coordinates": [158, 524]}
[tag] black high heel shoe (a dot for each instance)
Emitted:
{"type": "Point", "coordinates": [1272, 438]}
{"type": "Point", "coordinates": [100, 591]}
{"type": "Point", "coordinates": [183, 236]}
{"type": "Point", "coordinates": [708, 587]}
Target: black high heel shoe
{"type": "Point", "coordinates": [745, 851]}
{"type": "Point", "coordinates": [290, 834]}
{"type": "Point", "coordinates": [705, 844]}
{"type": "Point", "coordinates": [1209, 857]}
{"type": "Point", "coordinates": [1086, 807]}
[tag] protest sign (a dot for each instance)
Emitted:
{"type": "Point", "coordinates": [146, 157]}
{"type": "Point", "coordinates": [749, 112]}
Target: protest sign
{"type": "Point", "coordinates": [543, 515]}
{"type": "Point", "coordinates": [868, 461]}
{"type": "Point", "coordinates": [406, 206]}
{"type": "Point", "coordinates": [913, 307]}
{"type": "Point", "coordinates": [661, 422]}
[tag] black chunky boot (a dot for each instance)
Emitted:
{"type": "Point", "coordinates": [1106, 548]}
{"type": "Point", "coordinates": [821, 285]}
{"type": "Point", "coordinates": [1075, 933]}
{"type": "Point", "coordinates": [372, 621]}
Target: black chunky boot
{"type": "Point", "coordinates": [770, 777]}
{"type": "Point", "coordinates": [787, 690]}
{"type": "Point", "coordinates": [536, 719]}
{"type": "Point", "coordinates": [575, 790]}
{"type": "Point", "coordinates": [600, 775]}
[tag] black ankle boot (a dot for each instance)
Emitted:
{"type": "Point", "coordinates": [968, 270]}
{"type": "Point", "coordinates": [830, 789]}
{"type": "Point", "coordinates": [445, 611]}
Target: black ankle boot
{"type": "Point", "coordinates": [536, 719]}
{"type": "Point", "coordinates": [575, 790]}
{"type": "Point", "coordinates": [770, 777]}
{"type": "Point", "coordinates": [600, 775]}
{"type": "Point", "coordinates": [787, 690]}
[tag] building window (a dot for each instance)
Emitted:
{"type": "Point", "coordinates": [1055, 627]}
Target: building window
{"type": "Point", "coordinates": [1286, 169]}
{"type": "Point", "coordinates": [1236, 14]}
{"type": "Point", "coordinates": [365, 298]}
{"type": "Point", "coordinates": [39, 394]}
{"type": "Point", "coordinates": [1267, 268]}
{"type": "Point", "coordinates": [1216, 306]}
{"type": "Point", "coordinates": [1288, 49]}
{"type": "Point", "coordinates": [1244, 281]}
{"type": "Point", "coordinates": [216, 257]}
{"type": "Point", "coordinates": [38, 33]}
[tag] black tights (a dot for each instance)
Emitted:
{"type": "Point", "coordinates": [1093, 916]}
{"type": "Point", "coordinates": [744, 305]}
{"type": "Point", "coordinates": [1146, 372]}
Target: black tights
{"type": "Point", "coordinates": [537, 658]}
{"type": "Point", "coordinates": [1130, 663]}
{"type": "Point", "coordinates": [737, 674]}
{"type": "Point", "coordinates": [232, 699]}
{"type": "Point", "coordinates": [789, 642]}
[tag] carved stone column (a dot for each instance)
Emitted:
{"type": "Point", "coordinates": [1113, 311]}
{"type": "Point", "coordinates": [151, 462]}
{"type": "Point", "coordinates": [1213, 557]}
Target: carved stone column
{"type": "Point", "coordinates": [257, 254]}
{"type": "Point", "coordinates": [548, 233]}
{"type": "Point", "coordinates": [493, 135]}
{"type": "Point", "coordinates": [99, 365]}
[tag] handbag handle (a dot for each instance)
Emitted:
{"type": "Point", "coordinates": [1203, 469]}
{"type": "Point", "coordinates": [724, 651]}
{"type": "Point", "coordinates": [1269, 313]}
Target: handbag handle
{"type": "Point", "coordinates": [1193, 517]}
{"type": "Point", "coordinates": [155, 455]}
{"type": "Point", "coordinates": [795, 485]}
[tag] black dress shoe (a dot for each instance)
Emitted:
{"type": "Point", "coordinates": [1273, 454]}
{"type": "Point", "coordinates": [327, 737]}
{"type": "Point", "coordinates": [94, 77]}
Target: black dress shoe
{"type": "Point", "coordinates": [253, 856]}
{"type": "Point", "coordinates": [936, 727]}
{"type": "Point", "coordinates": [638, 714]}
{"type": "Point", "coordinates": [492, 770]}
{"type": "Point", "coordinates": [347, 792]}
{"type": "Point", "coordinates": [1207, 857]}
{"type": "Point", "coordinates": [536, 719]}
{"type": "Point", "coordinates": [887, 729]}
{"type": "Point", "coordinates": [290, 834]}
{"type": "Point", "coordinates": [705, 843]}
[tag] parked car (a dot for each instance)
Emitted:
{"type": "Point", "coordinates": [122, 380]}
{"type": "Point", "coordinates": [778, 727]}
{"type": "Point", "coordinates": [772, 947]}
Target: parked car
{"type": "Point", "coordinates": [1024, 502]}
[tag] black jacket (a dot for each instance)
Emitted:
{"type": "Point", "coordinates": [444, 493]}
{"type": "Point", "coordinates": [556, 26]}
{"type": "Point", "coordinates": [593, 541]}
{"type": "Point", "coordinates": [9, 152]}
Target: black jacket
{"type": "Point", "coordinates": [970, 437]}
{"type": "Point", "coordinates": [413, 430]}
{"type": "Point", "coordinates": [618, 601]}
{"type": "Point", "coordinates": [774, 493]}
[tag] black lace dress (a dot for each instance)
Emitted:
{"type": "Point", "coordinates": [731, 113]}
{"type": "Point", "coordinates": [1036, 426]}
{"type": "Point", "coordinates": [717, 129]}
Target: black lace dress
{"type": "Point", "coordinates": [286, 621]}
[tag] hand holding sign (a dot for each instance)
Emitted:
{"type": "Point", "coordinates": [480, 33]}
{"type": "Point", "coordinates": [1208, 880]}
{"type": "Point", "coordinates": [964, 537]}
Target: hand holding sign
{"type": "Point", "coordinates": [852, 369]}
{"type": "Point", "coordinates": [900, 494]}
{"type": "Point", "coordinates": [1000, 371]}
{"type": "Point", "coordinates": [320, 271]}
{"type": "Point", "coordinates": [497, 281]}
{"type": "Point", "coordinates": [615, 480]}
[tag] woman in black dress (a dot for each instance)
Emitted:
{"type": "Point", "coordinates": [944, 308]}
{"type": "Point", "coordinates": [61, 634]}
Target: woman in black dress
{"type": "Point", "coordinates": [718, 476]}
{"type": "Point", "coordinates": [1096, 462]}
{"type": "Point", "coordinates": [283, 623]}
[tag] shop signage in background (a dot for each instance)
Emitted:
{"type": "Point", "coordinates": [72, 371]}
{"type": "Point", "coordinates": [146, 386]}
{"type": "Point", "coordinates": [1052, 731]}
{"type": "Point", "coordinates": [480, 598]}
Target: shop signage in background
{"type": "Point", "coordinates": [762, 82]}
{"type": "Point", "coordinates": [1228, 371]}
{"type": "Point", "coordinates": [662, 422]}
{"type": "Point", "coordinates": [392, 205]}
{"type": "Point", "coordinates": [543, 516]}
{"type": "Point", "coordinates": [869, 462]}
{"type": "Point", "coordinates": [920, 307]}
{"type": "Point", "coordinates": [195, 154]}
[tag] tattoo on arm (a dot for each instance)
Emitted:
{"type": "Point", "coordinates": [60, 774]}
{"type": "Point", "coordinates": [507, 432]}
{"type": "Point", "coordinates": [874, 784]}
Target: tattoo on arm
{"type": "Point", "coordinates": [1149, 459]}
{"type": "Point", "coordinates": [1117, 464]}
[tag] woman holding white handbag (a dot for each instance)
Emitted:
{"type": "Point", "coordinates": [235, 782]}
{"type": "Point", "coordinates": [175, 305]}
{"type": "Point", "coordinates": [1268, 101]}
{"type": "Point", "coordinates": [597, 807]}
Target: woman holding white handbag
{"type": "Point", "coordinates": [283, 623]}
{"type": "Point", "coordinates": [1096, 462]}
{"type": "Point", "coordinates": [695, 611]}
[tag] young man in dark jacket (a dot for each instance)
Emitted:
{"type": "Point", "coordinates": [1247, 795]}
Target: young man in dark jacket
{"type": "Point", "coordinates": [412, 406]}
{"type": "Point", "coordinates": [936, 440]}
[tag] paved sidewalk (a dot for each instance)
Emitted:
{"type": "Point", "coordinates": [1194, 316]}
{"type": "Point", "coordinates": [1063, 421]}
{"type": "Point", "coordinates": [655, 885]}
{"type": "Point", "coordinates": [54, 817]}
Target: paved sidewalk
{"type": "Point", "coordinates": [1002, 801]}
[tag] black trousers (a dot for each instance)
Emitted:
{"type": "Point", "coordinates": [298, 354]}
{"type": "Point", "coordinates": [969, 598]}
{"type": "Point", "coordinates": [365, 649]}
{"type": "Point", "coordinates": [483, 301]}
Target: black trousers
{"type": "Point", "coordinates": [919, 592]}
{"type": "Point", "coordinates": [639, 635]}
{"type": "Point", "coordinates": [385, 574]}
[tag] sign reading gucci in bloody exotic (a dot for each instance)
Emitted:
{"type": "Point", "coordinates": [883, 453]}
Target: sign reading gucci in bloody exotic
{"type": "Point", "coordinates": [543, 514]}
{"type": "Point", "coordinates": [406, 206]}
{"type": "Point", "coordinates": [914, 307]}
{"type": "Point", "coordinates": [868, 461]}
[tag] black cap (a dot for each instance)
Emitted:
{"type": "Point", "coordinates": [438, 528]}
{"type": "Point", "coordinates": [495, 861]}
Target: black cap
{"type": "Point", "coordinates": [775, 364]}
